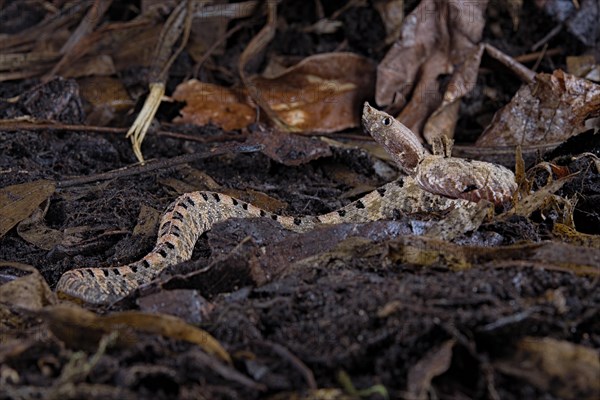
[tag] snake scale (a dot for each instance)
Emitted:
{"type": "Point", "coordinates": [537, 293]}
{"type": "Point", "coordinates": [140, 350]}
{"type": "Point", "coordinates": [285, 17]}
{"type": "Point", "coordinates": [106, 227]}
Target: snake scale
{"type": "Point", "coordinates": [434, 183]}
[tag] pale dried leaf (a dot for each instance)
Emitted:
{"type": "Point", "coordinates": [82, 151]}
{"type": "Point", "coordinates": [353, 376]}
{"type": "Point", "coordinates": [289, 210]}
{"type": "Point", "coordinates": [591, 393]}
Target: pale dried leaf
{"type": "Point", "coordinates": [564, 369]}
{"type": "Point", "coordinates": [18, 202]}
{"type": "Point", "coordinates": [549, 110]}
{"type": "Point", "coordinates": [434, 363]}
{"type": "Point", "coordinates": [212, 104]}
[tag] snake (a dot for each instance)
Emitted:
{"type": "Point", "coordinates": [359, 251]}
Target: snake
{"type": "Point", "coordinates": [433, 183]}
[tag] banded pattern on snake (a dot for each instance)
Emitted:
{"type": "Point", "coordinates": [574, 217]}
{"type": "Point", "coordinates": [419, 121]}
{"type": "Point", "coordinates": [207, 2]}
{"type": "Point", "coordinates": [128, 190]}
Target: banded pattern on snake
{"type": "Point", "coordinates": [192, 214]}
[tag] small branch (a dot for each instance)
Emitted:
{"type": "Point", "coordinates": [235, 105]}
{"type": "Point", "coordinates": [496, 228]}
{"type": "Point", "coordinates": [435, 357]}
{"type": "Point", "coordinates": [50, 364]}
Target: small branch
{"type": "Point", "coordinates": [150, 166]}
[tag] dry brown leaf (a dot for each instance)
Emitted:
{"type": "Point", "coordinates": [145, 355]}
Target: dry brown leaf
{"type": "Point", "coordinates": [550, 110]}
{"type": "Point", "coordinates": [147, 221]}
{"type": "Point", "coordinates": [532, 202]}
{"type": "Point", "coordinates": [18, 202]}
{"type": "Point", "coordinates": [443, 120]}
{"type": "Point", "coordinates": [322, 93]}
{"type": "Point", "coordinates": [81, 328]}
{"type": "Point", "coordinates": [392, 14]}
{"type": "Point", "coordinates": [105, 92]}
{"type": "Point", "coordinates": [436, 36]}
{"type": "Point", "coordinates": [570, 235]}
{"type": "Point", "coordinates": [27, 290]}
{"type": "Point", "coordinates": [566, 370]}
{"type": "Point", "coordinates": [584, 66]}
{"type": "Point", "coordinates": [34, 230]}
{"type": "Point", "coordinates": [434, 363]}
{"type": "Point", "coordinates": [208, 103]}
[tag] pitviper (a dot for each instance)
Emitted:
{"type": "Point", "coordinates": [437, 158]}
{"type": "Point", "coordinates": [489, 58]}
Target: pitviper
{"type": "Point", "coordinates": [431, 182]}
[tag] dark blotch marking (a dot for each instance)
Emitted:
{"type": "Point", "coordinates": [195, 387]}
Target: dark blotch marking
{"type": "Point", "coordinates": [381, 191]}
{"type": "Point", "coordinates": [245, 206]}
{"type": "Point", "coordinates": [470, 188]}
{"type": "Point", "coordinates": [178, 215]}
{"type": "Point", "coordinates": [176, 234]}
{"type": "Point", "coordinates": [297, 221]}
{"type": "Point", "coordinates": [134, 269]}
{"type": "Point", "coordinates": [105, 272]}
{"type": "Point", "coordinates": [217, 197]}
{"type": "Point", "coordinates": [190, 201]}
{"type": "Point", "coordinates": [166, 226]}
{"type": "Point", "coordinates": [341, 213]}
{"type": "Point", "coordinates": [163, 253]}
{"type": "Point", "coordinates": [90, 273]}
{"type": "Point", "coordinates": [204, 196]}
{"type": "Point", "coordinates": [145, 264]}
{"type": "Point", "coordinates": [274, 217]}
{"type": "Point", "coordinates": [400, 182]}
{"type": "Point", "coordinates": [360, 204]}
{"type": "Point", "coordinates": [234, 201]}
{"type": "Point", "coordinates": [263, 213]}
{"type": "Point", "coordinates": [170, 245]}
{"type": "Point", "coordinates": [116, 271]}
{"type": "Point", "coordinates": [183, 205]}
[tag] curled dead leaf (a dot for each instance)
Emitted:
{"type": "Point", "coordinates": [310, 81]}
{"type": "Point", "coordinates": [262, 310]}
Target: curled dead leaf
{"type": "Point", "coordinates": [565, 369]}
{"type": "Point", "coordinates": [81, 328]}
{"type": "Point", "coordinates": [322, 93]}
{"type": "Point", "coordinates": [550, 110]}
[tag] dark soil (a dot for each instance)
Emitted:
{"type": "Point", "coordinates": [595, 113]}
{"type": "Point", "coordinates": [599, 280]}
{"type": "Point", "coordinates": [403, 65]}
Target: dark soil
{"type": "Point", "coordinates": [315, 321]}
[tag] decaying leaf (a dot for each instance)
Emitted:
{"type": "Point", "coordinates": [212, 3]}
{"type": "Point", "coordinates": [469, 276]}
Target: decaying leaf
{"type": "Point", "coordinates": [550, 110]}
{"type": "Point", "coordinates": [564, 369]}
{"type": "Point", "coordinates": [392, 14]}
{"type": "Point", "coordinates": [78, 327]}
{"type": "Point", "coordinates": [436, 362]}
{"type": "Point", "coordinates": [436, 36]}
{"type": "Point", "coordinates": [322, 93]}
{"type": "Point", "coordinates": [28, 289]}
{"type": "Point", "coordinates": [34, 230]}
{"type": "Point", "coordinates": [584, 66]}
{"type": "Point", "coordinates": [537, 199]}
{"type": "Point", "coordinates": [18, 202]}
{"type": "Point", "coordinates": [570, 235]}
{"type": "Point", "coordinates": [207, 103]}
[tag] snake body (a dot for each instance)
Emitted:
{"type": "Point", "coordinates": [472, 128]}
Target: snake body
{"type": "Point", "coordinates": [192, 214]}
{"type": "Point", "coordinates": [435, 184]}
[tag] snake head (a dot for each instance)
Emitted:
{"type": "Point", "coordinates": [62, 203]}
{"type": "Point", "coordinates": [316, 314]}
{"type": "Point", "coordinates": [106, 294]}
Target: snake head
{"type": "Point", "coordinates": [399, 141]}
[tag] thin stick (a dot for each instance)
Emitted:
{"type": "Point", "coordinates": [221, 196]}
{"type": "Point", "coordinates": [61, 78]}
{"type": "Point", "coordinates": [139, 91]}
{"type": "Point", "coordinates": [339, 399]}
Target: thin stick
{"type": "Point", "coordinates": [159, 164]}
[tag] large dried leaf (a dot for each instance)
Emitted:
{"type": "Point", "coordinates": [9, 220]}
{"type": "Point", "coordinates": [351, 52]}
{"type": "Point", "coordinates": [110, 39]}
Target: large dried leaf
{"type": "Point", "coordinates": [34, 230]}
{"type": "Point", "coordinates": [81, 328]}
{"type": "Point", "coordinates": [435, 37]}
{"type": "Point", "coordinates": [18, 202]}
{"type": "Point", "coordinates": [436, 362]}
{"type": "Point", "coordinates": [27, 289]}
{"type": "Point", "coordinates": [207, 103]}
{"type": "Point", "coordinates": [564, 369]}
{"type": "Point", "coordinates": [322, 93]}
{"type": "Point", "coordinates": [550, 110]}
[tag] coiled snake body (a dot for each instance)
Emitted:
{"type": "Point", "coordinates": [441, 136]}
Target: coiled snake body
{"type": "Point", "coordinates": [192, 214]}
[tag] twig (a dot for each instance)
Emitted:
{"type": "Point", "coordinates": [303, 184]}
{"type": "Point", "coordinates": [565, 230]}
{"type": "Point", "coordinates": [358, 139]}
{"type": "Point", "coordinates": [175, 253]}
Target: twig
{"type": "Point", "coordinates": [159, 164]}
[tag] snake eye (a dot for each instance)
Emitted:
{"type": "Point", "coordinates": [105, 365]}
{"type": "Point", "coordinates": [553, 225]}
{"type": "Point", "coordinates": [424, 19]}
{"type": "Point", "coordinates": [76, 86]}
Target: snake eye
{"type": "Point", "coordinates": [387, 121]}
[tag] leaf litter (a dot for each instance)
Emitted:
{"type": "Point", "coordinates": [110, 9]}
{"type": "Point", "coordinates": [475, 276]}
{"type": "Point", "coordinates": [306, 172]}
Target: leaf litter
{"type": "Point", "coordinates": [455, 304]}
